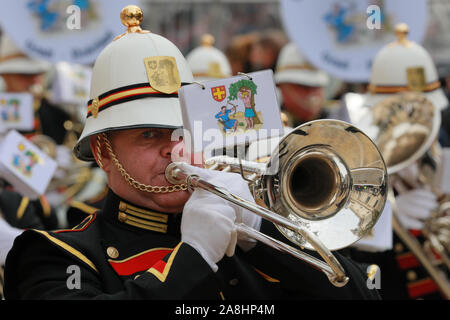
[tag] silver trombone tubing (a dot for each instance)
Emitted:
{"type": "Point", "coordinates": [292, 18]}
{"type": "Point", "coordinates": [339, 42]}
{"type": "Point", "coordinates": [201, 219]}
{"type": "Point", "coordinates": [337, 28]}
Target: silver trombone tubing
{"type": "Point", "coordinates": [332, 268]}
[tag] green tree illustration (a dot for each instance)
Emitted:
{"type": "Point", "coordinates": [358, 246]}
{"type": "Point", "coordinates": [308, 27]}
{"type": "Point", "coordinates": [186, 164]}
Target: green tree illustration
{"type": "Point", "coordinates": [243, 85]}
{"type": "Point", "coordinates": [14, 102]}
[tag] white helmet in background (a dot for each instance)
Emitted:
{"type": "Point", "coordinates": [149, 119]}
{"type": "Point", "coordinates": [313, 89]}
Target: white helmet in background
{"type": "Point", "coordinates": [404, 66]}
{"type": "Point", "coordinates": [208, 62]}
{"type": "Point", "coordinates": [135, 82]}
{"type": "Point", "coordinates": [13, 60]}
{"type": "Point", "coordinates": [292, 67]}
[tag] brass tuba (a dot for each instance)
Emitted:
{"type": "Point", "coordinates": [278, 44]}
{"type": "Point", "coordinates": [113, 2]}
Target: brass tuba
{"type": "Point", "coordinates": [324, 188]}
{"type": "Point", "coordinates": [405, 127]}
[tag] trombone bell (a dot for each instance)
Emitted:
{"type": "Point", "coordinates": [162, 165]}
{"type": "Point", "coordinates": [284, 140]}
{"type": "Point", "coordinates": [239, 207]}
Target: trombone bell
{"type": "Point", "coordinates": [329, 177]}
{"type": "Point", "coordinates": [317, 183]}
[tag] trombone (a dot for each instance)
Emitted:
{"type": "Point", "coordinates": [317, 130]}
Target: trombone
{"type": "Point", "coordinates": [324, 188]}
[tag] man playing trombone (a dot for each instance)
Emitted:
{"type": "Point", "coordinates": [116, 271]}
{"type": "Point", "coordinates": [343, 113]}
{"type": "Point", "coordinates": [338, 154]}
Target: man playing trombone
{"type": "Point", "coordinates": [153, 239]}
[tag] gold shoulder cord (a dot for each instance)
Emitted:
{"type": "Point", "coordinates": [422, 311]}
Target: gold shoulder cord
{"type": "Point", "coordinates": [135, 184]}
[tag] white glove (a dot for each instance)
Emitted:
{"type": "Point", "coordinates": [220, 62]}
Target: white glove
{"type": "Point", "coordinates": [208, 226]}
{"type": "Point", "coordinates": [7, 236]}
{"type": "Point", "coordinates": [234, 183]}
{"type": "Point", "coordinates": [415, 206]}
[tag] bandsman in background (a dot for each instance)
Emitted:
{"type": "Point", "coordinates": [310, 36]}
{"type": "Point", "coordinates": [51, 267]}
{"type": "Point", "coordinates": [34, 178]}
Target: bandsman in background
{"type": "Point", "coordinates": [21, 74]}
{"type": "Point", "coordinates": [55, 130]}
{"type": "Point", "coordinates": [301, 85]}
{"type": "Point", "coordinates": [404, 67]}
{"type": "Point", "coordinates": [51, 127]}
{"type": "Point", "coordinates": [265, 49]}
{"type": "Point", "coordinates": [153, 239]}
{"type": "Point", "coordinates": [238, 52]}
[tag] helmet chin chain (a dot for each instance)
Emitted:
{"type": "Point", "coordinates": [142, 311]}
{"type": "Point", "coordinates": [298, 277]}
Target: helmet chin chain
{"type": "Point", "coordinates": [135, 184]}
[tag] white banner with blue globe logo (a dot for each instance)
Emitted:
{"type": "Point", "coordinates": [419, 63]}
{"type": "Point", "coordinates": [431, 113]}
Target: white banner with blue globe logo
{"type": "Point", "coordinates": [342, 37]}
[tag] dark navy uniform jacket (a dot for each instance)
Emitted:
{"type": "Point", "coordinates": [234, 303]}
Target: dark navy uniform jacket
{"type": "Point", "coordinates": [23, 213]}
{"type": "Point", "coordinates": [128, 252]}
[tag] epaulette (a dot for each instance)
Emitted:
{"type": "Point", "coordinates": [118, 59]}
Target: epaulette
{"type": "Point", "coordinates": [68, 239]}
{"type": "Point", "coordinates": [19, 211]}
{"type": "Point", "coordinates": [83, 225]}
{"type": "Point", "coordinates": [83, 207]}
{"type": "Point", "coordinates": [78, 211]}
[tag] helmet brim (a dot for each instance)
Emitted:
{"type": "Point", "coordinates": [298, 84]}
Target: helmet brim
{"type": "Point", "coordinates": [141, 113]}
{"type": "Point", "coordinates": [23, 66]}
{"type": "Point", "coordinates": [306, 78]}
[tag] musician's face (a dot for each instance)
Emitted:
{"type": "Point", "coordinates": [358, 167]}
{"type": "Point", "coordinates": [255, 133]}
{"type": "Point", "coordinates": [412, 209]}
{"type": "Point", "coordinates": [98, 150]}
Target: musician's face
{"type": "Point", "coordinates": [144, 154]}
{"type": "Point", "coordinates": [305, 103]}
{"type": "Point", "coordinates": [21, 82]}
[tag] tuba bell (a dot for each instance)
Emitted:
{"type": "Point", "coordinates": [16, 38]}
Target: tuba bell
{"type": "Point", "coordinates": [324, 187]}
{"type": "Point", "coordinates": [405, 127]}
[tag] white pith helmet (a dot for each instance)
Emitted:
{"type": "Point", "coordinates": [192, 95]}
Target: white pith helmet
{"type": "Point", "coordinates": [13, 60]}
{"type": "Point", "coordinates": [292, 67]}
{"type": "Point", "coordinates": [134, 84]}
{"type": "Point", "coordinates": [208, 62]}
{"type": "Point", "coordinates": [404, 66]}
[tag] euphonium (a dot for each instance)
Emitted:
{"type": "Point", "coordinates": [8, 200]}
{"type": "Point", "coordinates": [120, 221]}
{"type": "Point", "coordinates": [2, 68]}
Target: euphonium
{"type": "Point", "coordinates": [324, 187]}
{"type": "Point", "coordinates": [405, 127]}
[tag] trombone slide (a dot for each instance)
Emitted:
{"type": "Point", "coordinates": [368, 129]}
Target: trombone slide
{"type": "Point", "coordinates": [332, 268]}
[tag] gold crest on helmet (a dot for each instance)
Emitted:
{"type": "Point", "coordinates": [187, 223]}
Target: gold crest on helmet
{"type": "Point", "coordinates": [163, 74]}
{"type": "Point", "coordinates": [214, 70]}
{"type": "Point", "coordinates": [416, 79]}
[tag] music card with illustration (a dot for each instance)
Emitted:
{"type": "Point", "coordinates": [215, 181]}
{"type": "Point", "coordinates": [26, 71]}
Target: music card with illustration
{"type": "Point", "coordinates": [16, 111]}
{"type": "Point", "coordinates": [231, 111]}
{"type": "Point", "coordinates": [25, 166]}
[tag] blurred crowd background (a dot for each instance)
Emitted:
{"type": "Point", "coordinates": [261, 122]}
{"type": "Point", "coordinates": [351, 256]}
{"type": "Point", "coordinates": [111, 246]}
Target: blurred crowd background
{"type": "Point", "coordinates": [251, 33]}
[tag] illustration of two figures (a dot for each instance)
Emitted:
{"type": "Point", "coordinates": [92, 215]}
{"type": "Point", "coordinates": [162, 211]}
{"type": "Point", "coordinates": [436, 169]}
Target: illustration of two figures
{"type": "Point", "coordinates": [244, 90]}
